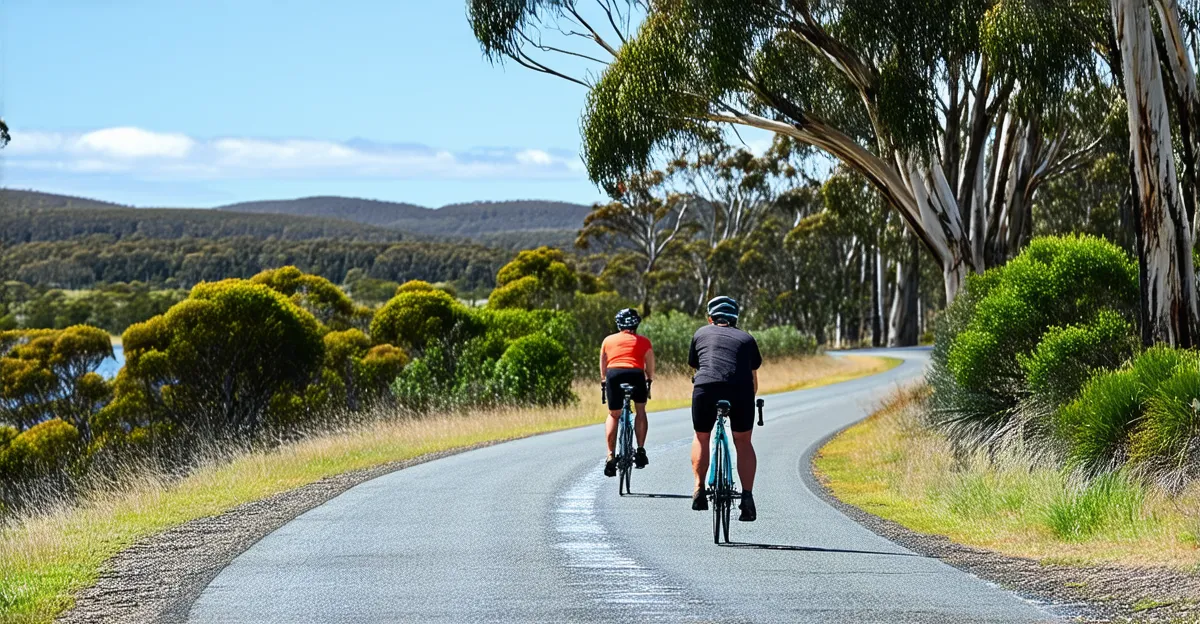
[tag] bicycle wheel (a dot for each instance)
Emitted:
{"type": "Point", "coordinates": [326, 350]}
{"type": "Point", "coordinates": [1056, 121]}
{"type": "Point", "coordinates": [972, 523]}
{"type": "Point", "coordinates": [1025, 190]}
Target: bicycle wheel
{"type": "Point", "coordinates": [725, 512]}
{"type": "Point", "coordinates": [718, 492]}
{"type": "Point", "coordinates": [624, 455]}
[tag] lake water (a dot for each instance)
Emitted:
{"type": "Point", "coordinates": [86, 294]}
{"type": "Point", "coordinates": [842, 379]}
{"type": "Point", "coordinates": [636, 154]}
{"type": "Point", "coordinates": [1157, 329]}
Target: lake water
{"type": "Point", "coordinates": [108, 368]}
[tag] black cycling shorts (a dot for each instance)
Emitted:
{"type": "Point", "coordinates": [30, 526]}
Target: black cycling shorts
{"type": "Point", "coordinates": [635, 377]}
{"type": "Point", "coordinates": [704, 406]}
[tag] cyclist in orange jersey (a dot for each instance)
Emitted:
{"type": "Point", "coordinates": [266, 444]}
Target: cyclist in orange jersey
{"type": "Point", "coordinates": [626, 358]}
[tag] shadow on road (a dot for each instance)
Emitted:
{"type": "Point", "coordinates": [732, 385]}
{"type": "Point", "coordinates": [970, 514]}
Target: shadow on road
{"type": "Point", "coordinates": [747, 545]}
{"type": "Point", "coordinates": [641, 495]}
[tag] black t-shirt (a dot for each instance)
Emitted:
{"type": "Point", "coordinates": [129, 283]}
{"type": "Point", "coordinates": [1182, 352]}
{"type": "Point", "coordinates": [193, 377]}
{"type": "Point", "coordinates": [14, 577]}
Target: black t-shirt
{"type": "Point", "coordinates": [723, 354]}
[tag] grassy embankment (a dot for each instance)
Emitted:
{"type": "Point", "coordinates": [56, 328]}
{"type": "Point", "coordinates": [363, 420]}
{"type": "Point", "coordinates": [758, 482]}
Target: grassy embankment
{"type": "Point", "coordinates": [45, 558]}
{"type": "Point", "coordinates": [891, 466]}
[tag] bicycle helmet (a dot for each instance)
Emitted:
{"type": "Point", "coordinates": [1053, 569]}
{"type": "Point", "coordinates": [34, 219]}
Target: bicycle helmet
{"type": "Point", "coordinates": [628, 319]}
{"type": "Point", "coordinates": [723, 309]}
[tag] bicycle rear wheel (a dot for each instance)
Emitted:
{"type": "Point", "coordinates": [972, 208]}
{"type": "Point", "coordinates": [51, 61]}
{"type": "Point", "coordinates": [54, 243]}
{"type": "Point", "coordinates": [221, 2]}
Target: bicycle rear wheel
{"type": "Point", "coordinates": [624, 455]}
{"type": "Point", "coordinates": [725, 512]}
{"type": "Point", "coordinates": [719, 492]}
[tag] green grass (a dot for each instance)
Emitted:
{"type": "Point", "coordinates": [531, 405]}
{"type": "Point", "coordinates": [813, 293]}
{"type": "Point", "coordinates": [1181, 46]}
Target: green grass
{"type": "Point", "coordinates": [893, 467]}
{"type": "Point", "coordinates": [1111, 501]}
{"type": "Point", "coordinates": [45, 559]}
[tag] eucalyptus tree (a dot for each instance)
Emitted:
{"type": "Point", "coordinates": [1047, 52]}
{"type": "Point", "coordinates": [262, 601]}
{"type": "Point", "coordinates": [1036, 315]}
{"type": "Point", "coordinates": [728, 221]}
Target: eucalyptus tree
{"type": "Point", "coordinates": [646, 218]}
{"type": "Point", "coordinates": [1165, 206]}
{"type": "Point", "coordinates": [916, 96]}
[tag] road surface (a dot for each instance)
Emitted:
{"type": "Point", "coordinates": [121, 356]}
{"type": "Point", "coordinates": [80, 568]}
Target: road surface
{"type": "Point", "coordinates": [531, 531]}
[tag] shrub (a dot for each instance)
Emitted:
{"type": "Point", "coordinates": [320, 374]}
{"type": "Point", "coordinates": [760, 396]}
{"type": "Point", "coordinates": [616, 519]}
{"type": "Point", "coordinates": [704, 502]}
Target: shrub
{"type": "Point", "coordinates": [536, 278]}
{"type": "Point", "coordinates": [1166, 442]}
{"type": "Point", "coordinates": [535, 369]}
{"type": "Point", "coordinates": [1067, 356]}
{"type": "Point", "coordinates": [46, 448]}
{"type": "Point", "coordinates": [1097, 425]}
{"type": "Point", "coordinates": [49, 373]}
{"type": "Point", "coordinates": [320, 297]}
{"type": "Point", "coordinates": [784, 341]}
{"type": "Point", "coordinates": [671, 336]}
{"type": "Point", "coordinates": [415, 318]}
{"type": "Point", "coordinates": [1111, 501]}
{"type": "Point", "coordinates": [1001, 318]}
{"type": "Point", "coordinates": [215, 361]}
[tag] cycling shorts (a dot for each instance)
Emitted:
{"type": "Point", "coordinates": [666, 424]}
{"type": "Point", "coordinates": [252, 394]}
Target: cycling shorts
{"type": "Point", "coordinates": [635, 377]}
{"type": "Point", "coordinates": [704, 406]}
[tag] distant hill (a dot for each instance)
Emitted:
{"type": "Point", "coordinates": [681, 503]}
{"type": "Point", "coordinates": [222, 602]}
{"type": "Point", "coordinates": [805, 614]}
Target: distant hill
{"type": "Point", "coordinates": [368, 211]}
{"type": "Point", "coordinates": [30, 217]}
{"type": "Point", "coordinates": [34, 216]}
{"type": "Point", "coordinates": [470, 220]}
{"type": "Point", "coordinates": [36, 200]}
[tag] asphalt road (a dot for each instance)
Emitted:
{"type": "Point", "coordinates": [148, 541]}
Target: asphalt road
{"type": "Point", "coordinates": [531, 531]}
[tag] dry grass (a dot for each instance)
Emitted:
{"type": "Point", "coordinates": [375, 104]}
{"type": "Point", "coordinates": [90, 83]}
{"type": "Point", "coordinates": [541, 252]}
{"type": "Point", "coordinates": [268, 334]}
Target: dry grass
{"type": "Point", "coordinates": [45, 558]}
{"type": "Point", "coordinates": [893, 467]}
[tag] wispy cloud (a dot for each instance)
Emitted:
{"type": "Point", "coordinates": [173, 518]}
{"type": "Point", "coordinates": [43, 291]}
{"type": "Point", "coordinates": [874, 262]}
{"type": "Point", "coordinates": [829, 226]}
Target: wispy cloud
{"type": "Point", "coordinates": [143, 154]}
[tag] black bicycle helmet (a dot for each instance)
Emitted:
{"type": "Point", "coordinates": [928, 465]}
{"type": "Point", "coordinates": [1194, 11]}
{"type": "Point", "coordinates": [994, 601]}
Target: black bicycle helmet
{"type": "Point", "coordinates": [723, 309]}
{"type": "Point", "coordinates": [628, 319]}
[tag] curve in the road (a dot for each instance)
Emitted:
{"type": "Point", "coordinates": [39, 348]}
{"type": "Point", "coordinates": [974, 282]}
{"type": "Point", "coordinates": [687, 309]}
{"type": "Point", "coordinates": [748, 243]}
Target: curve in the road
{"type": "Point", "coordinates": [531, 531]}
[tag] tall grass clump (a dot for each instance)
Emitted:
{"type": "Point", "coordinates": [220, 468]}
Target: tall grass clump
{"type": "Point", "coordinates": [1112, 501]}
{"type": "Point", "coordinates": [1141, 414]}
{"type": "Point", "coordinates": [991, 375]}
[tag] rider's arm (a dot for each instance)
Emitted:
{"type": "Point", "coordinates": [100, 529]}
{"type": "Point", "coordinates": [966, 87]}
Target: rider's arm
{"type": "Point", "coordinates": [755, 382]}
{"type": "Point", "coordinates": [603, 364]}
{"type": "Point", "coordinates": [650, 365]}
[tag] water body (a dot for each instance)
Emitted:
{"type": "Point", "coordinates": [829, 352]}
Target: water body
{"type": "Point", "coordinates": [108, 368]}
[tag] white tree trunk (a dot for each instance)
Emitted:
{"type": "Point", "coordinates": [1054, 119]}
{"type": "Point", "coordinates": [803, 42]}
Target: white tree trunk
{"type": "Point", "coordinates": [1165, 236]}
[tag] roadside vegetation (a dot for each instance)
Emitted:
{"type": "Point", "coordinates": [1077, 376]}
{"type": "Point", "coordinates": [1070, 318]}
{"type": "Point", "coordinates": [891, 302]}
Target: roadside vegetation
{"type": "Point", "coordinates": [47, 555]}
{"type": "Point", "coordinates": [1046, 429]}
{"type": "Point", "coordinates": [894, 466]}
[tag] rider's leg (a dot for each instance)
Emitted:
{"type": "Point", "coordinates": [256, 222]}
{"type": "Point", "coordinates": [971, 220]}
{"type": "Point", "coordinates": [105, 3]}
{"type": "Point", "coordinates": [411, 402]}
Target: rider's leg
{"type": "Point", "coordinates": [700, 457]}
{"type": "Point", "coordinates": [640, 424]}
{"type": "Point", "coordinates": [610, 431]}
{"type": "Point", "coordinates": [747, 461]}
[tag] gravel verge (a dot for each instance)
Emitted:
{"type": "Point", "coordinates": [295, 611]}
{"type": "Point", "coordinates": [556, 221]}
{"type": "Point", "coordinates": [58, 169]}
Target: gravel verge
{"type": "Point", "coordinates": [157, 579]}
{"type": "Point", "coordinates": [1083, 593]}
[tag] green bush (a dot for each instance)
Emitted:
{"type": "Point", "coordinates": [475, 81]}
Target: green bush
{"type": "Point", "coordinates": [783, 341]}
{"type": "Point", "coordinates": [1166, 442]}
{"type": "Point", "coordinates": [1000, 319]}
{"type": "Point", "coordinates": [1067, 356]}
{"type": "Point", "coordinates": [46, 448]}
{"type": "Point", "coordinates": [214, 362]}
{"type": "Point", "coordinates": [415, 318]}
{"type": "Point", "coordinates": [536, 369]}
{"type": "Point", "coordinates": [671, 336]}
{"type": "Point", "coordinates": [1097, 426]}
{"type": "Point", "coordinates": [1111, 501]}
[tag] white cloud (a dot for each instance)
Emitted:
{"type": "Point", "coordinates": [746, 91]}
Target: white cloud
{"type": "Point", "coordinates": [129, 142]}
{"type": "Point", "coordinates": [148, 155]}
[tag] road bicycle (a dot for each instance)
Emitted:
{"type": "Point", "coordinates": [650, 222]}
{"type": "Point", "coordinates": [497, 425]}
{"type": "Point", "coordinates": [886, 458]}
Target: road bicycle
{"type": "Point", "coordinates": [721, 488]}
{"type": "Point", "coordinates": [625, 448]}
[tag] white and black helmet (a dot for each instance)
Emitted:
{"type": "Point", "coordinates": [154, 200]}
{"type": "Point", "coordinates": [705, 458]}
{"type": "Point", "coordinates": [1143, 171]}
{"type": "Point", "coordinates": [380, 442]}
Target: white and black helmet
{"type": "Point", "coordinates": [628, 319]}
{"type": "Point", "coordinates": [723, 309]}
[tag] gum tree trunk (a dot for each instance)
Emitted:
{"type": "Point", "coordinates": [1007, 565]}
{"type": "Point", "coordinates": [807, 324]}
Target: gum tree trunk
{"type": "Point", "coordinates": [903, 330]}
{"type": "Point", "coordinates": [1164, 236]}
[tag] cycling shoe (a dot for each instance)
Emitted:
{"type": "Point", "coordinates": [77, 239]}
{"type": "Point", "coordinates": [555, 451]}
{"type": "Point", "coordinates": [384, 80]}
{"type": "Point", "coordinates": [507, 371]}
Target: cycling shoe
{"type": "Point", "coordinates": [749, 513]}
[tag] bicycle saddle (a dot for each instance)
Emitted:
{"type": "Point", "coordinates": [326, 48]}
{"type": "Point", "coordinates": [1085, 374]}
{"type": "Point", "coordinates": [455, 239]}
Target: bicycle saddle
{"type": "Point", "coordinates": [627, 387]}
{"type": "Point", "coordinates": [724, 404]}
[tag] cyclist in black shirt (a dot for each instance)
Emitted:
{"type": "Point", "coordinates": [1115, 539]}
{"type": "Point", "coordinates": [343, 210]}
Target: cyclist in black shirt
{"type": "Point", "coordinates": [726, 360]}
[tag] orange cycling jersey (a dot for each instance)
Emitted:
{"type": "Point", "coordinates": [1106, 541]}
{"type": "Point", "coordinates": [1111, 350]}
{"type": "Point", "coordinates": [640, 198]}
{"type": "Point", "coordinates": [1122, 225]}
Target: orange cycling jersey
{"type": "Point", "coordinates": [626, 350]}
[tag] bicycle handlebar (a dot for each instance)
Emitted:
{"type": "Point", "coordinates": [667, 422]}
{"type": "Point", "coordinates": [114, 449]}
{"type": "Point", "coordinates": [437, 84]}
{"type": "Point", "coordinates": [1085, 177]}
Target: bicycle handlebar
{"type": "Point", "coordinates": [759, 404]}
{"type": "Point", "coordinates": [604, 392]}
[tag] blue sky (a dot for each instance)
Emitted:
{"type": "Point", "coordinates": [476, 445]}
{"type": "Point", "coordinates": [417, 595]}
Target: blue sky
{"type": "Point", "coordinates": [200, 103]}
